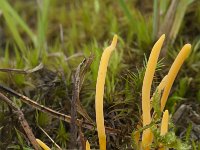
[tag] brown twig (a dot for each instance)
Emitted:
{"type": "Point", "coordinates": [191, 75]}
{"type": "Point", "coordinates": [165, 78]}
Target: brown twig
{"type": "Point", "coordinates": [54, 113]}
{"type": "Point", "coordinates": [84, 68]}
{"type": "Point", "coordinates": [78, 80]}
{"type": "Point", "coordinates": [82, 140]}
{"type": "Point", "coordinates": [75, 97]}
{"type": "Point", "coordinates": [23, 121]}
{"type": "Point", "coordinates": [22, 71]}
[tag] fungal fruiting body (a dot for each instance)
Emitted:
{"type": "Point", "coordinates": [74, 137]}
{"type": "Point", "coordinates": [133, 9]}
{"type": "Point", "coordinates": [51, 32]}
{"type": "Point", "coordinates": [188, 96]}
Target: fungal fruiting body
{"type": "Point", "coordinates": [183, 54]}
{"type": "Point", "coordinates": [100, 92]}
{"type": "Point", "coordinates": [147, 136]}
{"type": "Point", "coordinates": [164, 126]}
{"type": "Point", "coordinates": [42, 144]}
{"type": "Point", "coordinates": [164, 123]}
{"type": "Point", "coordinates": [87, 145]}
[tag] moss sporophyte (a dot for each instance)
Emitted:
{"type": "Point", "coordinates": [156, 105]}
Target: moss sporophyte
{"type": "Point", "coordinates": [165, 86]}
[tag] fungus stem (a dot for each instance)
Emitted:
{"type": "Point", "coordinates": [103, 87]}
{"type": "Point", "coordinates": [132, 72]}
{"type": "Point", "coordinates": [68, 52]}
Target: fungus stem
{"type": "Point", "coordinates": [100, 92]}
{"type": "Point", "coordinates": [183, 54]}
{"type": "Point", "coordinates": [164, 123]}
{"type": "Point", "coordinates": [164, 126]}
{"type": "Point", "coordinates": [147, 136]}
{"type": "Point", "coordinates": [87, 145]}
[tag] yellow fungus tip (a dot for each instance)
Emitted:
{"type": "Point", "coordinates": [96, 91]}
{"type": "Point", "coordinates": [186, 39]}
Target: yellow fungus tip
{"type": "Point", "coordinates": [161, 39]}
{"type": "Point", "coordinates": [188, 46]}
{"type": "Point", "coordinates": [87, 145]}
{"type": "Point", "coordinates": [166, 111]}
{"type": "Point", "coordinates": [114, 41]}
{"type": "Point", "coordinates": [164, 123]}
{"type": "Point", "coordinates": [162, 36]}
{"type": "Point", "coordinates": [42, 144]}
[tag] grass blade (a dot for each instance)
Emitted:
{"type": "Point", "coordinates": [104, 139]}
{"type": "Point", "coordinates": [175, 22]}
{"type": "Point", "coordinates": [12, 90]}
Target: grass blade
{"type": "Point", "coordinates": [156, 10]}
{"type": "Point", "coordinates": [42, 22]}
{"type": "Point", "coordinates": [11, 24]}
{"type": "Point", "coordinates": [126, 10]}
{"type": "Point", "coordinates": [7, 9]}
{"type": "Point", "coordinates": [181, 10]}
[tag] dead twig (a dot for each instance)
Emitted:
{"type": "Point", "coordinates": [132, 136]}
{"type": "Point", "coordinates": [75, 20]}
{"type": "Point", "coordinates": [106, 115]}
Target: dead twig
{"type": "Point", "coordinates": [78, 79]}
{"type": "Point", "coordinates": [54, 113]}
{"type": "Point", "coordinates": [23, 121]}
{"type": "Point", "coordinates": [84, 68]}
{"type": "Point", "coordinates": [82, 140]}
{"type": "Point", "coordinates": [75, 97]}
{"type": "Point", "coordinates": [22, 71]}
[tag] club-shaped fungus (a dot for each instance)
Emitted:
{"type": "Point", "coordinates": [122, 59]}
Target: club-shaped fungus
{"type": "Point", "coordinates": [183, 54]}
{"type": "Point", "coordinates": [87, 145]}
{"type": "Point", "coordinates": [100, 92]}
{"type": "Point", "coordinates": [164, 126]}
{"type": "Point", "coordinates": [42, 144]}
{"type": "Point", "coordinates": [147, 136]}
{"type": "Point", "coordinates": [164, 123]}
{"type": "Point", "coordinates": [165, 86]}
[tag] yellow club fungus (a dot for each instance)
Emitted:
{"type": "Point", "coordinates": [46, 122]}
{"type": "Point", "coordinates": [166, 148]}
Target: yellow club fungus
{"type": "Point", "coordinates": [42, 144]}
{"type": "Point", "coordinates": [164, 123]}
{"type": "Point", "coordinates": [183, 54]}
{"type": "Point", "coordinates": [147, 136]}
{"type": "Point", "coordinates": [164, 126]}
{"type": "Point", "coordinates": [87, 145]}
{"type": "Point", "coordinates": [100, 92]}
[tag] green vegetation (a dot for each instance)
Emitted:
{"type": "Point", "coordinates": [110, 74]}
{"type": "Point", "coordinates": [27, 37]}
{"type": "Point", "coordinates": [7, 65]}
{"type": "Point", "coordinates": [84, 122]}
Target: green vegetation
{"type": "Point", "coordinates": [43, 42]}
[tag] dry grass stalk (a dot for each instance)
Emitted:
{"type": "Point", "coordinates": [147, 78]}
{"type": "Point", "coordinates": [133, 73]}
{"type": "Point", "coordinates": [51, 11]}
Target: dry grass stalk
{"type": "Point", "coordinates": [22, 120]}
